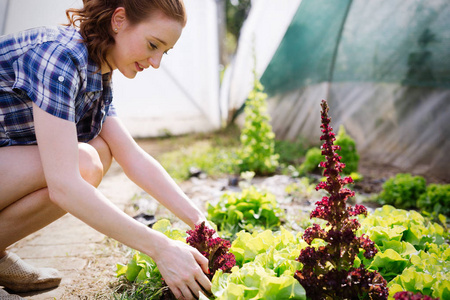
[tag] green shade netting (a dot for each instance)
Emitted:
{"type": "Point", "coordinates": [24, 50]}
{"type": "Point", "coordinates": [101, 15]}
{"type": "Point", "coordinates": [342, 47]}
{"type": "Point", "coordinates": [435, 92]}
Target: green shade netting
{"type": "Point", "coordinates": [393, 41]}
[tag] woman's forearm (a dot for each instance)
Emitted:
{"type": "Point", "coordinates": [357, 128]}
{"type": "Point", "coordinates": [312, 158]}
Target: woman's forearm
{"type": "Point", "coordinates": [90, 206]}
{"type": "Point", "coordinates": [146, 172]}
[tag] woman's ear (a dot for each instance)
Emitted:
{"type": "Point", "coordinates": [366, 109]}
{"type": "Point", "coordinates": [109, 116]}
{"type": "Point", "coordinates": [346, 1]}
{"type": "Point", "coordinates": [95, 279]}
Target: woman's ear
{"type": "Point", "coordinates": [118, 19]}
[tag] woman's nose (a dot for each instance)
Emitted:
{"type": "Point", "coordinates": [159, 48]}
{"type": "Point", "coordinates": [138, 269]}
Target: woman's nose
{"type": "Point", "coordinates": [155, 61]}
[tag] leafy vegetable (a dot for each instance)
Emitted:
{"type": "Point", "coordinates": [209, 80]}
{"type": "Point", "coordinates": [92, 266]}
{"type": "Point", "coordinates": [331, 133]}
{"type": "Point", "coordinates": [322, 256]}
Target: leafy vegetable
{"type": "Point", "coordinates": [328, 271]}
{"type": "Point", "coordinates": [347, 151]}
{"type": "Point", "coordinates": [215, 249]}
{"type": "Point", "coordinates": [390, 224]}
{"type": "Point", "coordinates": [413, 252]}
{"type": "Point", "coordinates": [247, 246]}
{"type": "Point", "coordinates": [428, 274]}
{"type": "Point", "coordinates": [311, 163]}
{"type": "Point", "coordinates": [389, 263]}
{"type": "Point", "coordinates": [435, 199]}
{"type": "Point", "coordinates": [252, 281]}
{"type": "Point", "coordinates": [141, 268]}
{"type": "Point", "coordinates": [251, 209]}
{"type": "Point", "coordinates": [402, 191]}
{"type": "Point", "coordinates": [267, 264]}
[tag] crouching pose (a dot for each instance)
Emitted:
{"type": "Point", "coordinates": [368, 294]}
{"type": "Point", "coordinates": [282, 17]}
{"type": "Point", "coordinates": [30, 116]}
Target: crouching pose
{"type": "Point", "coordinates": [59, 133]}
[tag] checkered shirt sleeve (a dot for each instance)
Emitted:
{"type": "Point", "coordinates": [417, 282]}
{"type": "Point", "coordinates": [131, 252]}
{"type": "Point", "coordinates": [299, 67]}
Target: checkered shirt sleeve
{"type": "Point", "coordinates": [48, 75]}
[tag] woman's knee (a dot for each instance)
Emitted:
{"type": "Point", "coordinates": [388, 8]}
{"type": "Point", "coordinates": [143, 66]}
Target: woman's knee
{"type": "Point", "coordinates": [91, 167]}
{"type": "Point", "coordinates": [103, 151]}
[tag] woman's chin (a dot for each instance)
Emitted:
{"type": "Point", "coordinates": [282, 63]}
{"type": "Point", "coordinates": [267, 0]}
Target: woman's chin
{"type": "Point", "coordinates": [129, 74]}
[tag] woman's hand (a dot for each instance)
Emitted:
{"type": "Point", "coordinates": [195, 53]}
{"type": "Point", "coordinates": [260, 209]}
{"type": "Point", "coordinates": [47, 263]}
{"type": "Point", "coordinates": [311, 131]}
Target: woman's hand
{"type": "Point", "coordinates": [183, 268]}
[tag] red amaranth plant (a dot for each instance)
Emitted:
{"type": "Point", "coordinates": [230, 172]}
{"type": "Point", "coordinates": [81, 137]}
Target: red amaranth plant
{"type": "Point", "coordinates": [215, 249]}
{"type": "Point", "coordinates": [328, 271]}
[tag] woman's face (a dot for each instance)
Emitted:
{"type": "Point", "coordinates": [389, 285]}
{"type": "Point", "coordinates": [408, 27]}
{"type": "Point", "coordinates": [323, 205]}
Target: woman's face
{"type": "Point", "coordinates": [142, 45]}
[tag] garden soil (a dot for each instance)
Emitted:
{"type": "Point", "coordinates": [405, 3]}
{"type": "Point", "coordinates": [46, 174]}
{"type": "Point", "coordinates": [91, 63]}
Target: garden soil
{"type": "Point", "coordinates": [87, 259]}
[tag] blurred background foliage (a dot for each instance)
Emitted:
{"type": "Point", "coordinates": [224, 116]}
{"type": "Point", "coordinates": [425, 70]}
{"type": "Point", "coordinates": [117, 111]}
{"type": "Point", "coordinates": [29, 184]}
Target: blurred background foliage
{"type": "Point", "coordinates": [233, 14]}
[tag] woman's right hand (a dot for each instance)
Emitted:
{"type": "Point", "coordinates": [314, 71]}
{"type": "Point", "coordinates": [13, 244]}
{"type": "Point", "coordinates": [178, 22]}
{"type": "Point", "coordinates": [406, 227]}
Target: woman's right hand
{"type": "Point", "coordinates": [183, 268]}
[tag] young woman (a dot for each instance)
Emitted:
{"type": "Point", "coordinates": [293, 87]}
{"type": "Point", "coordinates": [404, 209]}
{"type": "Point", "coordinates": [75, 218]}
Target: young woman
{"type": "Point", "coordinates": [59, 133]}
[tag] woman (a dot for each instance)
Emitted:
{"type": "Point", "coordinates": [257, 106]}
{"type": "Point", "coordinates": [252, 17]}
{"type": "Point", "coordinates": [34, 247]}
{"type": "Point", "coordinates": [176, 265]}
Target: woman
{"type": "Point", "coordinates": [59, 133]}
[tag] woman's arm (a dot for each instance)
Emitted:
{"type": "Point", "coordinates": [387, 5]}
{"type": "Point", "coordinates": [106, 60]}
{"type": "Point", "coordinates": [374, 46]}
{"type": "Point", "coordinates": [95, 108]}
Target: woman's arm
{"type": "Point", "coordinates": [58, 148]}
{"type": "Point", "coordinates": [146, 172]}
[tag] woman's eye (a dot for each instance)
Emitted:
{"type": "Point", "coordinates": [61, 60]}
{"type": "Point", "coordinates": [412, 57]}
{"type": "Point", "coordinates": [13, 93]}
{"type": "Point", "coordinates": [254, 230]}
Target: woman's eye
{"type": "Point", "coordinates": [154, 47]}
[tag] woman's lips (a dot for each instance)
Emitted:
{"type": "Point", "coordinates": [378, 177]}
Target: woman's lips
{"type": "Point", "coordinates": [138, 67]}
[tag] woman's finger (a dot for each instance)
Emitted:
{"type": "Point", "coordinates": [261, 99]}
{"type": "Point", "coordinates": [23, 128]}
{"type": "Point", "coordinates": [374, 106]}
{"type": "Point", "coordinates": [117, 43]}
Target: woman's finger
{"type": "Point", "coordinates": [187, 293]}
{"type": "Point", "coordinates": [195, 289]}
{"type": "Point", "coordinates": [200, 276]}
{"type": "Point", "coordinates": [176, 292]}
{"type": "Point", "coordinates": [201, 260]}
{"type": "Point", "coordinates": [204, 282]}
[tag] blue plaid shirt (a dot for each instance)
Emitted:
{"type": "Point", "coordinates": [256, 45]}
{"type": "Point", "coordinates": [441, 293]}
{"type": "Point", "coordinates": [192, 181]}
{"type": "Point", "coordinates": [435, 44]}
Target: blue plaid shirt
{"type": "Point", "coordinates": [50, 67]}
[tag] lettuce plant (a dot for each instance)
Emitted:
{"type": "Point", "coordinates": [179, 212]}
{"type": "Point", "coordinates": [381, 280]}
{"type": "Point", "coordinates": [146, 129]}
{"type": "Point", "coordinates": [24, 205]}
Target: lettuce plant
{"type": "Point", "coordinates": [313, 157]}
{"type": "Point", "coordinates": [251, 209]}
{"type": "Point", "coordinates": [403, 190]}
{"type": "Point", "coordinates": [436, 198]}
{"type": "Point", "coordinates": [215, 249]}
{"type": "Point", "coordinates": [428, 274]}
{"type": "Point", "coordinates": [143, 269]}
{"type": "Point", "coordinates": [265, 264]}
{"type": "Point", "coordinates": [328, 271]}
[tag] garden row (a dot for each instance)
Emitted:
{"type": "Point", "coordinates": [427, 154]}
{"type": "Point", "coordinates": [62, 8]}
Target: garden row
{"type": "Point", "coordinates": [343, 253]}
{"type": "Point", "coordinates": [412, 256]}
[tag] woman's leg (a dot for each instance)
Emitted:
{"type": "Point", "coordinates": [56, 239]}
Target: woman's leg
{"type": "Point", "coordinates": [25, 206]}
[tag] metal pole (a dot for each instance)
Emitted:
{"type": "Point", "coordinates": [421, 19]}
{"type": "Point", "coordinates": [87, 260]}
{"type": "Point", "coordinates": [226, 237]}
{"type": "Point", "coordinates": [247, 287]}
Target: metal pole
{"type": "Point", "coordinates": [5, 17]}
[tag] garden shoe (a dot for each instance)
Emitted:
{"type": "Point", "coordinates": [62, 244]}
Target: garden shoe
{"type": "Point", "coordinates": [5, 296]}
{"type": "Point", "coordinates": [18, 276]}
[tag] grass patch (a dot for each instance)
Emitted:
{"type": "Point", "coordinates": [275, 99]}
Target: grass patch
{"type": "Point", "coordinates": [212, 160]}
{"type": "Point", "coordinates": [213, 153]}
{"type": "Point", "coordinates": [126, 290]}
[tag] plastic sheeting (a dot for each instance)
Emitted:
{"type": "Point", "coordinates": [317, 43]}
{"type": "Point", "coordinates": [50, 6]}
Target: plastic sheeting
{"type": "Point", "coordinates": [383, 67]}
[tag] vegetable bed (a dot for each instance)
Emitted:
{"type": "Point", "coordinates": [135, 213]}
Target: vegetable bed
{"type": "Point", "coordinates": [344, 252]}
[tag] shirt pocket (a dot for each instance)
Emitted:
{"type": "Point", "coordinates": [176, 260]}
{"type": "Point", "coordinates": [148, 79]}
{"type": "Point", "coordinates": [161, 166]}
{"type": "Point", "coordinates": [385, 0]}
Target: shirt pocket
{"type": "Point", "coordinates": [19, 126]}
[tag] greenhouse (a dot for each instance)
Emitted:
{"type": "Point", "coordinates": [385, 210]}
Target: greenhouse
{"type": "Point", "coordinates": [225, 149]}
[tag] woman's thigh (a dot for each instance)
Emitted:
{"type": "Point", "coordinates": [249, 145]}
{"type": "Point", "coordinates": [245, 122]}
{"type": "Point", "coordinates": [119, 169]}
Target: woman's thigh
{"type": "Point", "coordinates": [21, 171]}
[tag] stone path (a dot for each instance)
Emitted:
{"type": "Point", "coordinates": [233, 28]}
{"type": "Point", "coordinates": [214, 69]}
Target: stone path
{"type": "Point", "coordinates": [68, 243]}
